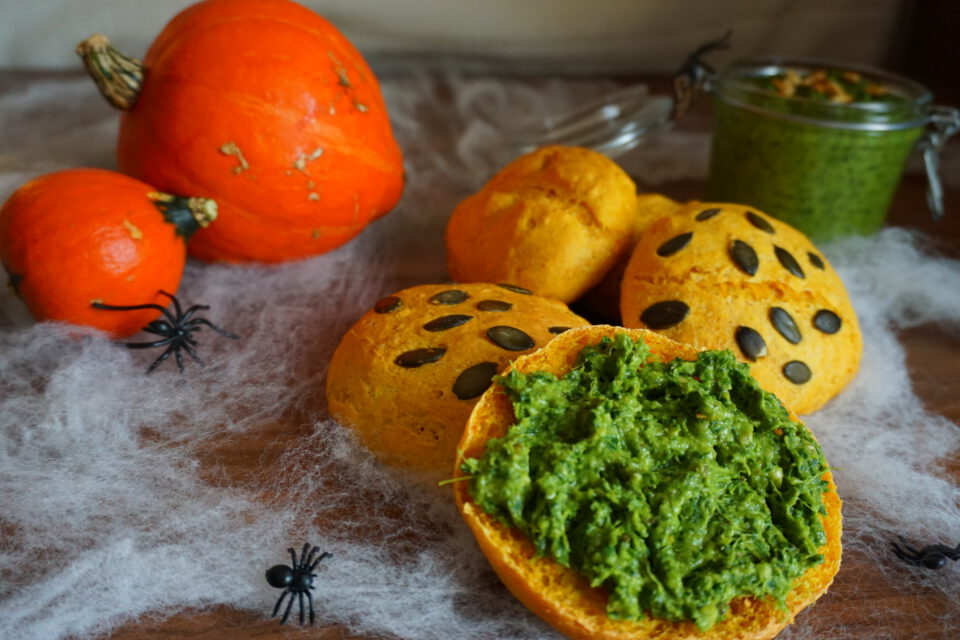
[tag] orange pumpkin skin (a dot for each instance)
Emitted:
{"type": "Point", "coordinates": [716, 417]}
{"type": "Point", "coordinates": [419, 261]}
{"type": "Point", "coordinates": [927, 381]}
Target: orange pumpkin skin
{"type": "Point", "coordinates": [73, 237]}
{"type": "Point", "coordinates": [267, 108]}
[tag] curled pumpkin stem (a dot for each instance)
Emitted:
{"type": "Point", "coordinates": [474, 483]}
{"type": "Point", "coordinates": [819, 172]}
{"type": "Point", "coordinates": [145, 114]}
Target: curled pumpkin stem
{"type": "Point", "coordinates": [118, 77]}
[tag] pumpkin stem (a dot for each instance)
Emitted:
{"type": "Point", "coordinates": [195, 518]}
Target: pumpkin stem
{"type": "Point", "coordinates": [186, 214]}
{"type": "Point", "coordinates": [118, 77]}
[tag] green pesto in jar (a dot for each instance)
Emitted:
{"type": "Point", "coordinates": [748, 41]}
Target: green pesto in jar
{"type": "Point", "coordinates": [676, 486]}
{"type": "Point", "coordinates": [825, 155]}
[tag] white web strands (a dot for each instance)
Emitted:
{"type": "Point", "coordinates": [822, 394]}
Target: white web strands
{"type": "Point", "coordinates": [116, 500]}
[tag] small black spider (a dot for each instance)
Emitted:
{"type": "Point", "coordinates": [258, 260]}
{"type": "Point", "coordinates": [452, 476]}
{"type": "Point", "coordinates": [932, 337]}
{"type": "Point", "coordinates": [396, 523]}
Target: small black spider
{"type": "Point", "coordinates": [932, 556]}
{"type": "Point", "coordinates": [174, 329]}
{"type": "Point", "coordinates": [297, 579]}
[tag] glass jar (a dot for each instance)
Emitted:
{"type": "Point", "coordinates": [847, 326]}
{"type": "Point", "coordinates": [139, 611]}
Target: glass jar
{"type": "Point", "coordinates": [828, 168]}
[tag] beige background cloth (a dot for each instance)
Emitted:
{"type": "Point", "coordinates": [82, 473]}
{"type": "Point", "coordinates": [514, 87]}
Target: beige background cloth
{"type": "Point", "coordinates": [523, 35]}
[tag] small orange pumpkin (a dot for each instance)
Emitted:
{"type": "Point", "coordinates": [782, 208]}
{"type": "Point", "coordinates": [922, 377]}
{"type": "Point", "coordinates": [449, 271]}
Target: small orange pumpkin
{"type": "Point", "coordinates": [72, 238]}
{"type": "Point", "coordinates": [266, 107]}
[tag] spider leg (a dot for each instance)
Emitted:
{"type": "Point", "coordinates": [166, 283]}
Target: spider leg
{"type": "Point", "coordinates": [300, 599]}
{"type": "Point", "coordinates": [176, 305]}
{"type": "Point", "coordinates": [192, 310]}
{"type": "Point", "coordinates": [319, 558]}
{"type": "Point", "coordinates": [942, 549]}
{"type": "Point", "coordinates": [902, 554]}
{"type": "Point", "coordinates": [149, 345]}
{"type": "Point", "coordinates": [132, 307]}
{"type": "Point", "coordinates": [309, 558]}
{"type": "Point", "coordinates": [163, 356]}
{"type": "Point", "coordinates": [222, 332]}
{"type": "Point", "coordinates": [286, 612]}
{"type": "Point", "coordinates": [310, 600]}
{"type": "Point", "coordinates": [193, 354]}
{"type": "Point", "coordinates": [177, 354]}
{"type": "Point", "coordinates": [909, 548]}
{"type": "Point", "coordinates": [293, 558]}
{"type": "Point", "coordinates": [276, 607]}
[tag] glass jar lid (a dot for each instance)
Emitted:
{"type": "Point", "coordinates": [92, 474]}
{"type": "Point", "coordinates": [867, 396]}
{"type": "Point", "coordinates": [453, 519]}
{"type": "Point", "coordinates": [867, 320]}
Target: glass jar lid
{"type": "Point", "coordinates": [849, 97]}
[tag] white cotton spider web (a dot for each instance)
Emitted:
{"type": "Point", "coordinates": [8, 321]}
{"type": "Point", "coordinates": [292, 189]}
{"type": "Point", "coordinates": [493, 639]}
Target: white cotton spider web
{"type": "Point", "coordinates": [119, 495]}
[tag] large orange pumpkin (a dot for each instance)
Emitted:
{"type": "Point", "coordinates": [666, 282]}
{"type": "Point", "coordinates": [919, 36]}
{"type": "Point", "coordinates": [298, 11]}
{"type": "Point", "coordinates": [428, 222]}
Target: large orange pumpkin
{"type": "Point", "coordinates": [72, 238]}
{"type": "Point", "coordinates": [269, 109]}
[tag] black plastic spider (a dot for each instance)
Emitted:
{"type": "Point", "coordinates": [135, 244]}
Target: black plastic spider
{"type": "Point", "coordinates": [297, 579]}
{"type": "Point", "coordinates": [933, 556]}
{"type": "Point", "coordinates": [175, 329]}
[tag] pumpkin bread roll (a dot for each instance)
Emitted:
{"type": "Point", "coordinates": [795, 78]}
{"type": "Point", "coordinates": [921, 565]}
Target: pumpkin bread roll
{"type": "Point", "coordinates": [554, 221]}
{"type": "Point", "coordinates": [618, 489]}
{"type": "Point", "coordinates": [726, 276]}
{"type": "Point", "coordinates": [408, 373]}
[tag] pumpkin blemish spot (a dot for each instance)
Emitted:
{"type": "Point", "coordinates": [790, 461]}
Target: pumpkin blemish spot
{"type": "Point", "coordinates": [300, 164]}
{"type": "Point", "coordinates": [362, 108]}
{"type": "Point", "coordinates": [340, 70]}
{"type": "Point", "coordinates": [231, 149]}
{"type": "Point", "coordinates": [313, 196]}
{"type": "Point", "coordinates": [134, 231]}
{"type": "Point", "coordinates": [315, 234]}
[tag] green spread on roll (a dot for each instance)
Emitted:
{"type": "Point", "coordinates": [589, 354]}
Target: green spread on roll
{"type": "Point", "coordinates": [676, 486]}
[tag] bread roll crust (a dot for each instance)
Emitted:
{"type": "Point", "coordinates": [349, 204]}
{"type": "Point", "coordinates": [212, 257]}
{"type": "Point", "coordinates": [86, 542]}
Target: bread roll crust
{"type": "Point", "coordinates": [707, 274]}
{"type": "Point", "coordinates": [411, 416]}
{"type": "Point", "coordinates": [554, 221]}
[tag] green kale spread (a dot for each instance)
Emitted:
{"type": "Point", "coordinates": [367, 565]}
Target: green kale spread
{"type": "Point", "coordinates": [677, 486]}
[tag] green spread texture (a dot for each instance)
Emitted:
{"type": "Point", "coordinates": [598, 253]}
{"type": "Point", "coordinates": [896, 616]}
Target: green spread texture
{"type": "Point", "coordinates": [676, 486]}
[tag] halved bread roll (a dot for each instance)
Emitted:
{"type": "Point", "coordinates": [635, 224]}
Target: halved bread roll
{"type": "Point", "coordinates": [563, 597]}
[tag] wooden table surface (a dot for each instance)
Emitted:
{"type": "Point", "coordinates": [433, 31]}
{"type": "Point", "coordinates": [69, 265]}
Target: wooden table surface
{"type": "Point", "coordinates": [872, 606]}
{"type": "Point", "coordinates": [878, 609]}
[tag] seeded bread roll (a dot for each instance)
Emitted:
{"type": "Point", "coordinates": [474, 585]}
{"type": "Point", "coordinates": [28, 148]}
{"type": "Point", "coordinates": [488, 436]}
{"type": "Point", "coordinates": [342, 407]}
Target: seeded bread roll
{"type": "Point", "coordinates": [408, 373]}
{"type": "Point", "coordinates": [564, 598]}
{"type": "Point", "coordinates": [726, 276]}
{"type": "Point", "coordinates": [554, 221]}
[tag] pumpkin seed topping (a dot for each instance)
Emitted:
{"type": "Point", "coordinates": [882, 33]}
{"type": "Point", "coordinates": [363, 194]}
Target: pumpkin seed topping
{"type": "Point", "coordinates": [827, 321]}
{"type": "Point", "coordinates": [419, 357]}
{"type": "Point", "coordinates": [388, 304]}
{"type": "Point", "coordinates": [515, 289]}
{"type": "Point", "coordinates": [760, 222]}
{"type": "Point", "coordinates": [510, 338]}
{"type": "Point", "coordinates": [665, 314]}
{"type": "Point", "coordinates": [494, 305]}
{"type": "Point", "coordinates": [674, 244]}
{"type": "Point", "coordinates": [474, 380]}
{"type": "Point", "coordinates": [447, 322]}
{"type": "Point", "coordinates": [797, 372]}
{"type": "Point", "coordinates": [558, 330]}
{"type": "Point", "coordinates": [816, 260]}
{"type": "Point", "coordinates": [751, 343]}
{"type": "Point", "coordinates": [785, 325]}
{"type": "Point", "coordinates": [706, 214]}
{"type": "Point", "coordinates": [744, 257]}
{"type": "Point", "coordinates": [789, 262]}
{"type": "Point", "coordinates": [450, 296]}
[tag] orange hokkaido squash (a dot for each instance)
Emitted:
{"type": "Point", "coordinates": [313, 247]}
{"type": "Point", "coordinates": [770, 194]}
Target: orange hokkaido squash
{"type": "Point", "coordinates": [72, 238]}
{"type": "Point", "coordinates": [266, 107]}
